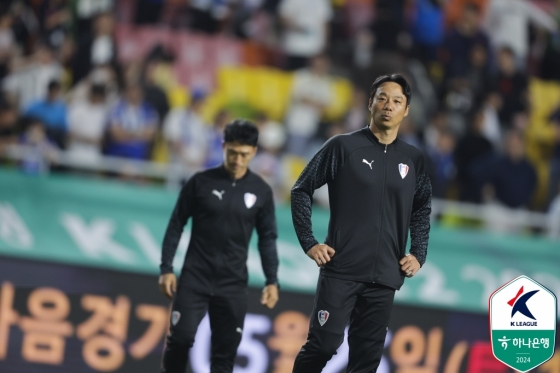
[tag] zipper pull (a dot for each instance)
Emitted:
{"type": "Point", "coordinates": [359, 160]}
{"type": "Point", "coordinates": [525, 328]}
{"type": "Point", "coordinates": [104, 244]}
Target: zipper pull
{"type": "Point", "coordinates": [385, 148]}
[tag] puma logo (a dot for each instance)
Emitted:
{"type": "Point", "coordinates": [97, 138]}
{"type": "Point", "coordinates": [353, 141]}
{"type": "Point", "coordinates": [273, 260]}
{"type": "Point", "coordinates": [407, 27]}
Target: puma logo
{"type": "Point", "coordinates": [368, 163]}
{"type": "Point", "coordinates": [218, 194]}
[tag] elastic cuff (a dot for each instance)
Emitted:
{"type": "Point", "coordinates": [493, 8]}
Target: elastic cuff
{"type": "Point", "coordinates": [273, 282]}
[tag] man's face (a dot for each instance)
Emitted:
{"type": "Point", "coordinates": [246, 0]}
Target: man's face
{"type": "Point", "coordinates": [238, 156]}
{"type": "Point", "coordinates": [388, 107]}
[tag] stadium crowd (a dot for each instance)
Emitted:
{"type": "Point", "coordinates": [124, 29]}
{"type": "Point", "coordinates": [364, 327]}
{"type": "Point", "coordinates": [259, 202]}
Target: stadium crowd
{"type": "Point", "coordinates": [485, 77]}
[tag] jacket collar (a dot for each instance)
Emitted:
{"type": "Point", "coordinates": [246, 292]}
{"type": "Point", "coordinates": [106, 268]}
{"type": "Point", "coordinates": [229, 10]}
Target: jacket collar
{"type": "Point", "coordinates": [374, 138]}
{"type": "Point", "coordinates": [223, 172]}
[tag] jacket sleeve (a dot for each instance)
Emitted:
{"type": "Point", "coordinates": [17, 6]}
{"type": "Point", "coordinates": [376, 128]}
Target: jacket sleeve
{"type": "Point", "coordinates": [183, 210]}
{"type": "Point", "coordinates": [421, 210]}
{"type": "Point", "coordinates": [267, 232]}
{"type": "Point", "coordinates": [322, 169]}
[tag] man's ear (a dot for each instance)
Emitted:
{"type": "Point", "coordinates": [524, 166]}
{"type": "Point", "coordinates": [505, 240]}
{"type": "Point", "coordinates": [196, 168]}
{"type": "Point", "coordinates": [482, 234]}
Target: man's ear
{"type": "Point", "coordinates": [406, 110]}
{"type": "Point", "coordinates": [370, 102]}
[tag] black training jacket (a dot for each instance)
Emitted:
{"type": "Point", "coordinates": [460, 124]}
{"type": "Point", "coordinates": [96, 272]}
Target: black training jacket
{"type": "Point", "coordinates": [376, 193]}
{"type": "Point", "coordinates": [224, 212]}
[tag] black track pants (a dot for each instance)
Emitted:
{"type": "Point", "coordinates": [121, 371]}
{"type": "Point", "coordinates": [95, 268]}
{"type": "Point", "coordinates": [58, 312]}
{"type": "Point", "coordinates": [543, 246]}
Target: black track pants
{"type": "Point", "coordinates": [226, 313]}
{"type": "Point", "coordinates": [365, 306]}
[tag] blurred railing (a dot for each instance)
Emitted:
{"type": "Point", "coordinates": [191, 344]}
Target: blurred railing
{"type": "Point", "coordinates": [171, 175]}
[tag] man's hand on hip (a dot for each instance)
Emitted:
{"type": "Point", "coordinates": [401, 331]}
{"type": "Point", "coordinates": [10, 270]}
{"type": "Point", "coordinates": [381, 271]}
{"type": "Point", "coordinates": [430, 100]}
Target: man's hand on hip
{"type": "Point", "coordinates": [269, 296]}
{"type": "Point", "coordinates": [168, 284]}
{"type": "Point", "coordinates": [321, 254]}
{"type": "Point", "coordinates": [409, 265]}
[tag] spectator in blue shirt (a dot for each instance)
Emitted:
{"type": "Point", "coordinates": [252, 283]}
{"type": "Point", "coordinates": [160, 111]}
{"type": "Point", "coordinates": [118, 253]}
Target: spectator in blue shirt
{"type": "Point", "coordinates": [132, 126]}
{"type": "Point", "coordinates": [52, 112]}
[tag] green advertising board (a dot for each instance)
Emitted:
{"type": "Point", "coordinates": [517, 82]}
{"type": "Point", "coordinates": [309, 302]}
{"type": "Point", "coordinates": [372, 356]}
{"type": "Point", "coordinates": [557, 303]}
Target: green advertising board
{"type": "Point", "coordinates": [112, 225]}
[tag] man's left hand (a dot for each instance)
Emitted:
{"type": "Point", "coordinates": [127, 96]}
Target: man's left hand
{"type": "Point", "coordinates": [269, 296]}
{"type": "Point", "coordinates": [409, 265]}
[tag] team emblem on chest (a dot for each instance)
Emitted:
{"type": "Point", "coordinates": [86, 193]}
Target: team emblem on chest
{"type": "Point", "coordinates": [403, 170]}
{"type": "Point", "coordinates": [250, 199]}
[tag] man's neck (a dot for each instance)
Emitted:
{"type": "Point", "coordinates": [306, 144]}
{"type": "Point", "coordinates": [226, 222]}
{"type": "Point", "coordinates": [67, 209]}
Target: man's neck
{"type": "Point", "coordinates": [235, 175]}
{"type": "Point", "coordinates": [384, 136]}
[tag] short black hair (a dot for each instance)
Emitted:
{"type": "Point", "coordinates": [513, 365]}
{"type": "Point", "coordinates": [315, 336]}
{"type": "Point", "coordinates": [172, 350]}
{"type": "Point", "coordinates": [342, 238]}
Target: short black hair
{"type": "Point", "coordinates": [241, 131]}
{"type": "Point", "coordinates": [395, 78]}
{"type": "Point", "coordinates": [97, 89]}
{"type": "Point", "coordinates": [507, 50]}
{"type": "Point", "coordinates": [472, 7]}
{"type": "Point", "coordinates": [53, 85]}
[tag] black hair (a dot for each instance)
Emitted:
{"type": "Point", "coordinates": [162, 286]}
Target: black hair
{"type": "Point", "coordinates": [53, 85]}
{"type": "Point", "coordinates": [471, 7]}
{"type": "Point", "coordinates": [97, 89]}
{"type": "Point", "coordinates": [395, 78]}
{"type": "Point", "coordinates": [241, 131]}
{"type": "Point", "coordinates": [508, 50]}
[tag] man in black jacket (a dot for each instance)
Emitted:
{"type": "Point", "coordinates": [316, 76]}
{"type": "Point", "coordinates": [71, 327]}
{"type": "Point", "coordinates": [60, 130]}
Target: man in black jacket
{"type": "Point", "coordinates": [378, 190]}
{"type": "Point", "coordinates": [225, 204]}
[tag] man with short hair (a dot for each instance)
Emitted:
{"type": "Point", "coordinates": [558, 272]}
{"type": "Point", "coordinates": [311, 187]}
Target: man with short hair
{"type": "Point", "coordinates": [225, 204]}
{"type": "Point", "coordinates": [378, 189]}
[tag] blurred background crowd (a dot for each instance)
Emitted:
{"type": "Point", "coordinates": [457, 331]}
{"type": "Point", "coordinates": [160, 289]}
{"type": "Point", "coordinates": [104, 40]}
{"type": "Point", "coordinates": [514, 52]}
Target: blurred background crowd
{"type": "Point", "coordinates": [139, 90]}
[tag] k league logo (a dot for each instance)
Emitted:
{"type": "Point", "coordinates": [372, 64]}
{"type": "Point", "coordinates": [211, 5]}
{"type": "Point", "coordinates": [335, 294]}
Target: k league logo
{"type": "Point", "coordinates": [519, 304]}
{"type": "Point", "coordinates": [523, 324]}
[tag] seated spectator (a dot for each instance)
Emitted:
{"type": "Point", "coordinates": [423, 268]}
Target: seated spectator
{"type": "Point", "coordinates": [459, 41]}
{"type": "Point", "coordinates": [428, 29]}
{"type": "Point", "coordinates": [96, 48]}
{"type": "Point", "coordinates": [52, 113]}
{"type": "Point", "coordinates": [29, 83]}
{"type": "Point", "coordinates": [39, 151]}
{"type": "Point", "coordinates": [132, 126]}
{"type": "Point", "coordinates": [215, 154]}
{"type": "Point", "coordinates": [311, 94]}
{"type": "Point", "coordinates": [305, 29]}
{"type": "Point", "coordinates": [186, 133]}
{"type": "Point", "coordinates": [478, 74]}
{"type": "Point", "coordinates": [512, 85]}
{"type": "Point", "coordinates": [408, 133]}
{"type": "Point", "coordinates": [431, 133]}
{"type": "Point", "coordinates": [511, 182]}
{"type": "Point", "coordinates": [554, 181]}
{"type": "Point", "coordinates": [104, 75]}
{"type": "Point", "coordinates": [357, 117]}
{"type": "Point", "coordinates": [8, 126]}
{"type": "Point", "coordinates": [469, 149]}
{"type": "Point", "coordinates": [8, 44]}
{"type": "Point", "coordinates": [491, 128]}
{"type": "Point", "coordinates": [512, 178]}
{"type": "Point", "coordinates": [86, 121]}
{"type": "Point", "coordinates": [153, 93]}
{"type": "Point", "coordinates": [268, 161]}
{"type": "Point", "coordinates": [442, 164]}
{"type": "Point", "coordinates": [507, 22]}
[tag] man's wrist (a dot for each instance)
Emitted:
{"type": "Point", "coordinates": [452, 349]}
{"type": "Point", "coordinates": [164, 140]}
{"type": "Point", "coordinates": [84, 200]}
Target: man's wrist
{"type": "Point", "coordinates": [275, 283]}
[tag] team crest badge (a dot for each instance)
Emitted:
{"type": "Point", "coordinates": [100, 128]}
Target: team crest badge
{"type": "Point", "coordinates": [323, 317]}
{"type": "Point", "coordinates": [175, 316]}
{"type": "Point", "coordinates": [403, 169]}
{"type": "Point", "coordinates": [250, 200]}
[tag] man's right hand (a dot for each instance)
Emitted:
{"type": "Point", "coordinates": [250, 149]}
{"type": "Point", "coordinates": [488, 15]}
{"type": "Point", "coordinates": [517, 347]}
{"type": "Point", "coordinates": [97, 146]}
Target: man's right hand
{"type": "Point", "coordinates": [168, 284]}
{"type": "Point", "coordinates": [321, 254]}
